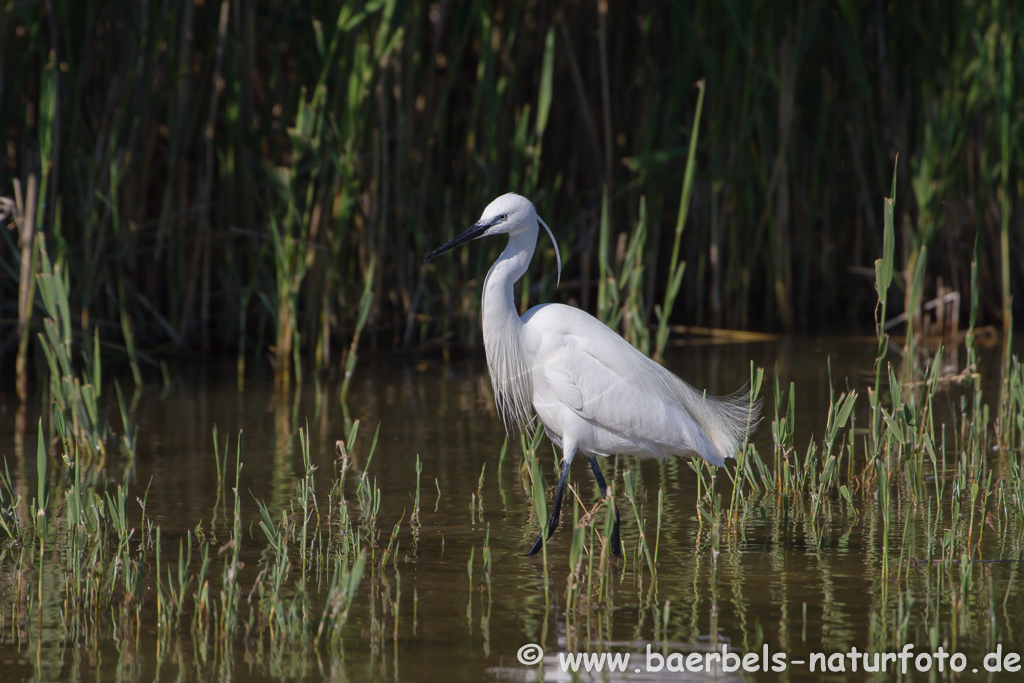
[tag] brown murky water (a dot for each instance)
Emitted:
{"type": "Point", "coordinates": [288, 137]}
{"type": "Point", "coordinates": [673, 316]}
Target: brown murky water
{"type": "Point", "coordinates": [795, 592]}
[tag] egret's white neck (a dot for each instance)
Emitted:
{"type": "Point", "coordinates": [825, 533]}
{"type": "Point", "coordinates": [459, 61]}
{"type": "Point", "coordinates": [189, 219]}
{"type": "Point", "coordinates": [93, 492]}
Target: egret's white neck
{"type": "Point", "coordinates": [498, 300]}
{"type": "Point", "coordinates": [506, 358]}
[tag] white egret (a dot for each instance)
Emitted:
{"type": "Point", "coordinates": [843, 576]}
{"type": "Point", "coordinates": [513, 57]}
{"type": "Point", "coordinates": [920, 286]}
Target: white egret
{"type": "Point", "coordinates": [592, 390]}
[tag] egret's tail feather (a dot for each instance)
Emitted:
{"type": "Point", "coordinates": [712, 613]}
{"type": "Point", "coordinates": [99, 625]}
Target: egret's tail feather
{"type": "Point", "coordinates": [727, 420]}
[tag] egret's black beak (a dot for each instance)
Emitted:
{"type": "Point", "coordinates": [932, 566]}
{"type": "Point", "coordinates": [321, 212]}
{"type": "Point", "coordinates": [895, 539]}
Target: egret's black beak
{"type": "Point", "coordinates": [475, 231]}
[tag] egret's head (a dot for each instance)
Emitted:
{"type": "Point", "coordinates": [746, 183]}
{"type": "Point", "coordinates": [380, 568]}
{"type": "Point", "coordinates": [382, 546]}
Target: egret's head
{"type": "Point", "coordinates": [507, 214]}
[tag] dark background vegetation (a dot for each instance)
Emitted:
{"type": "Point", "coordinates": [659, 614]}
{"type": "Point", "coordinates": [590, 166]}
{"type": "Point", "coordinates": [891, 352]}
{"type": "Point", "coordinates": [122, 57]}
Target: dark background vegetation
{"type": "Point", "coordinates": [260, 178]}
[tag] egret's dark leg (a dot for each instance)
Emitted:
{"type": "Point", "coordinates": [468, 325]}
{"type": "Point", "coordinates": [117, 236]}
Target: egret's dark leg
{"type": "Point", "coordinates": [556, 507]}
{"type": "Point", "coordinates": [603, 485]}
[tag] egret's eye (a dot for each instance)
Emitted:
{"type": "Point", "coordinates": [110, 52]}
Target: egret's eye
{"type": "Point", "coordinates": [503, 217]}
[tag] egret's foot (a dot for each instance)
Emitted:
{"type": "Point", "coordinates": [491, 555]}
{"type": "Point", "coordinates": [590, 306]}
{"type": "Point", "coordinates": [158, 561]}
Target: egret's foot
{"type": "Point", "coordinates": [552, 525]}
{"type": "Point", "coordinates": [536, 546]}
{"type": "Point", "coordinates": [616, 541]}
{"type": "Point", "coordinates": [556, 505]}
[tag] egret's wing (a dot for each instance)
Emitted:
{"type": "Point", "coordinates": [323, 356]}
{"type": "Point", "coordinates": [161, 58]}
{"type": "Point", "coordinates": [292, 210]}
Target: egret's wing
{"type": "Point", "coordinates": [621, 389]}
{"type": "Point", "coordinates": [564, 387]}
{"type": "Point", "coordinates": [597, 384]}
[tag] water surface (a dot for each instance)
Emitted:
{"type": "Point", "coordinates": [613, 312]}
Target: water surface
{"type": "Point", "coordinates": [781, 586]}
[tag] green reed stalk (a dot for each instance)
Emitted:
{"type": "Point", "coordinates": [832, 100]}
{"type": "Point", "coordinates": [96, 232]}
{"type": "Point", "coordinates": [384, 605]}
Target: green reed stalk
{"type": "Point", "coordinates": [42, 483]}
{"type": "Point", "coordinates": [540, 503]}
{"type": "Point", "coordinates": [414, 519]}
{"type": "Point", "coordinates": [676, 268]}
{"type": "Point", "coordinates": [604, 267]}
{"type": "Point", "coordinates": [627, 480]}
{"type": "Point", "coordinates": [883, 278]}
{"type": "Point", "coordinates": [29, 244]}
{"type": "Point", "coordinates": [1005, 102]}
{"type": "Point", "coordinates": [661, 510]}
{"type": "Point", "coordinates": [365, 304]}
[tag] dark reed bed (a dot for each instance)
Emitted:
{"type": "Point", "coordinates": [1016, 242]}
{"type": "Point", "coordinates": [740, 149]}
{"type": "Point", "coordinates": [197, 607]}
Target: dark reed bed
{"type": "Point", "coordinates": [263, 179]}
